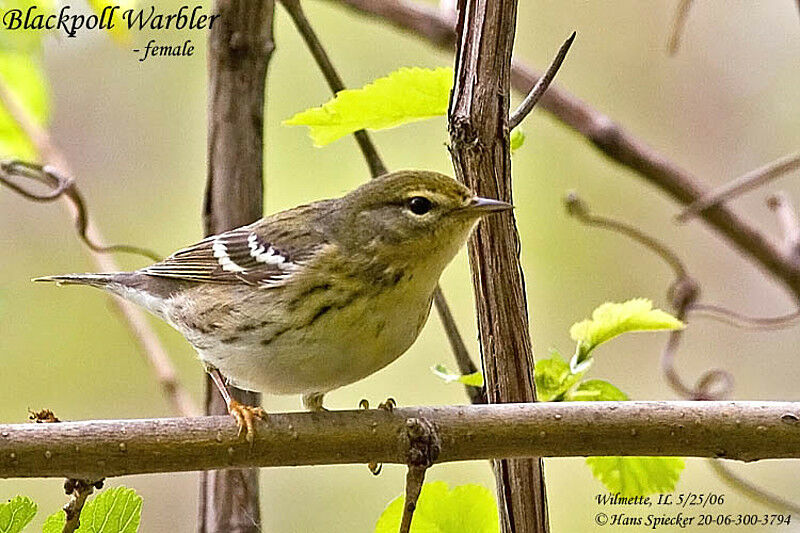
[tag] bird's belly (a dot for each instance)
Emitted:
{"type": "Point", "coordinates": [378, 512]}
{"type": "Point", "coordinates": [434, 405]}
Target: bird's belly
{"type": "Point", "coordinates": [339, 347]}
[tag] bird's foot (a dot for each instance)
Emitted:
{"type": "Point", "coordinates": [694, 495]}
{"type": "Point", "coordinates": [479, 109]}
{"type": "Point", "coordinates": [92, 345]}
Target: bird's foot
{"type": "Point", "coordinates": [245, 416]}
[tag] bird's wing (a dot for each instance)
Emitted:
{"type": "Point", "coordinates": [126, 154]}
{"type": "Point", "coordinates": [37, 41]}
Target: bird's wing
{"type": "Point", "coordinates": [266, 253]}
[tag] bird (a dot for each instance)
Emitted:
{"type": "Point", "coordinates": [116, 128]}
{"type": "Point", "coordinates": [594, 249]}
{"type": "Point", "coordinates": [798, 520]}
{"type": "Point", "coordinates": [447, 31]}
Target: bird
{"type": "Point", "coordinates": [313, 298]}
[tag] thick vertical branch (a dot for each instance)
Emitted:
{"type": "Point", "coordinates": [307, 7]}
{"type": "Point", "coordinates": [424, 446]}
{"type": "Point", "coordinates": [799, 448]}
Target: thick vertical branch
{"type": "Point", "coordinates": [240, 47]}
{"type": "Point", "coordinates": [479, 134]}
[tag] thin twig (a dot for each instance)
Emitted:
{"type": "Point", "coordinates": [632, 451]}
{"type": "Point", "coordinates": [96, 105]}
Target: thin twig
{"type": "Point", "coordinates": [577, 208]}
{"type": "Point", "coordinates": [752, 490]}
{"type": "Point", "coordinates": [423, 450]}
{"type": "Point", "coordinates": [415, 478]}
{"type": "Point", "coordinates": [62, 186]}
{"type": "Point", "coordinates": [143, 333]}
{"type": "Point", "coordinates": [463, 360]}
{"type": "Point", "coordinates": [541, 86]}
{"type": "Point", "coordinates": [79, 491]}
{"type": "Point", "coordinates": [713, 384]}
{"type": "Point", "coordinates": [742, 321]}
{"type": "Point", "coordinates": [787, 218]}
{"type": "Point", "coordinates": [678, 26]}
{"type": "Point", "coordinates": [746, 182]}
{"type": "Point", "coordinates": [377, 168]}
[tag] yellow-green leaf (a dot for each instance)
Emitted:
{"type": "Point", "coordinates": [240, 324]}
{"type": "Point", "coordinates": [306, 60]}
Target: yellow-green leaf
{"type": "Point", "coordinates": [16, 513]}
{"type": "Point", "coordinates": [475, 379]}
{"type": "Point", "coordinates": [465, 509]}
{"type": "Point", "coordinates": [553, 378]}
{"type": "Point", "coordinates": [612, 319]}
{"type": "Point", "coordinates": [517, 139]}
{"type": "Point", "coordinates": [406, 95]}
{"type": "Point", "coordinates": [637, 476]}
{"type": "Point", "coordinates": [596, 390]}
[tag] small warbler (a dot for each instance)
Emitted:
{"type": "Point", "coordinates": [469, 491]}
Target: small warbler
{"type": "Point", "coordinates": [310, 299]}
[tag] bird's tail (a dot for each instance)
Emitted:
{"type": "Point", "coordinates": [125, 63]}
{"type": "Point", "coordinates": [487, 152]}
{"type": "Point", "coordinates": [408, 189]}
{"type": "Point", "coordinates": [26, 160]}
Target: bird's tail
{"type": "Point", "coordinates": [93, 280]}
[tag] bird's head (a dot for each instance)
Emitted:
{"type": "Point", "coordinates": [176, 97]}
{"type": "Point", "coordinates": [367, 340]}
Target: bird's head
{"type": "Point", "coordinates": [412, 215]}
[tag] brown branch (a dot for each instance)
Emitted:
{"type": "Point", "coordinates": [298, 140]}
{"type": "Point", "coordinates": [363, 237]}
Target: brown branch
{"type": "Point", "coordinates": [541, 85]}
{"type": "Point", "coordinates": [746, 182]}
{"type": "Point", "coordinates": [479, 148]}
{"type": "Point", "coordinates": [143, 333]}
{"type": "Point", "coordinates": [240, 49]}
{"type": "Point", "coordinates": [606, 135]}
{"type": "Point", "coordinates": [678, 26]}
{"type": "Point", "coordinates": [745, 431]}
{"type": "Point", "coordinates": [79, 491]}
{"type": "Point", "coordinates": [423, 450]}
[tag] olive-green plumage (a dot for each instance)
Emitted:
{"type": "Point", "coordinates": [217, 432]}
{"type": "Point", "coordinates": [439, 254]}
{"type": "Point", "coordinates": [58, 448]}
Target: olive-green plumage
{"type": "Point", "coordinates": [315, 297]}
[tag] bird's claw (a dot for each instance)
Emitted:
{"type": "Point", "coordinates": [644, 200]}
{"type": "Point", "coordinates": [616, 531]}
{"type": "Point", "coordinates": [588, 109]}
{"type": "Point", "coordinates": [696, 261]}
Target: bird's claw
{"type": "Point", "coordinates": [387, 405]}
{"type": "Point", "coordinates": [375, 468]}
{"type": "Point", "coordinates": [245, 416]}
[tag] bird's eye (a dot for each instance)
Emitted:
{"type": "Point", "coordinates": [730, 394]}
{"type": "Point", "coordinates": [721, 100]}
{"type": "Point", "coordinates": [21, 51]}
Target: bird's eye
{"type": "Point", "coordinates": [419, 205]}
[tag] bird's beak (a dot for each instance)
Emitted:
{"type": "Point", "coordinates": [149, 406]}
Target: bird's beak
{"type": "Point", "coordinates": [484, 206]}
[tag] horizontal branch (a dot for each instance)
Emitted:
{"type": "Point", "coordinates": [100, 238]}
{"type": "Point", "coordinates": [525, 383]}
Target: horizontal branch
{"type": "Point", "coordinates": [746, 431]}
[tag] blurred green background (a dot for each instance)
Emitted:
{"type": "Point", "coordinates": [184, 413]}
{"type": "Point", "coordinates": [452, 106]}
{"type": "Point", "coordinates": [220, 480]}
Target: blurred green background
{"type": "Point", "coordinates": [134, 134]}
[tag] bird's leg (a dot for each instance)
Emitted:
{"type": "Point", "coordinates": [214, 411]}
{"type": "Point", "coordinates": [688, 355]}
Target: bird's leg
{"type": "Point", "coordinates": [244, 415]}
{"type": "Point", "coordinates": [313, 401]}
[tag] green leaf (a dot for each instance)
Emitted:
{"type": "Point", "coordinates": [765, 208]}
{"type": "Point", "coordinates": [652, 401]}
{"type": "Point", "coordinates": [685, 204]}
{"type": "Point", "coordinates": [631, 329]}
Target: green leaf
{"type": "Point", "coordinates": [116, 510]}
{"type": "Point", "coordinates": [553, 378]}
{"type": "Point", "coordinates": [612, 319]}
{"type": "Point", "coordinates": [54, 523]}
{"type": "Point", "coordinates": [596, 390]}
{"type": "Point", "coordinates": [16, 514]}
{"type": "Point", "coordinates": [405, 95]}
{"type": "Point", "coordinates": [475, 379]}
{"type": "Point", "coordinates": [23, 76]}
{"type": "Point", "coordinates": [517, 139]}
{"type": "Point", "coordinates": [637, 476]}
{"type": "Point", "coordinates": [465, 509]}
